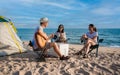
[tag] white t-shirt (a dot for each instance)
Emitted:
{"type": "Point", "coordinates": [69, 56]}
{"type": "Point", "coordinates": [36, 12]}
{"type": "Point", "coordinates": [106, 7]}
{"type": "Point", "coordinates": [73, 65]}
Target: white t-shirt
{"type": "Point", "coordinates": [58, 35]}
{"type": "Point", "coordinates": [89, 35]}
{"type": "Point", "coordinates": [35, 46]}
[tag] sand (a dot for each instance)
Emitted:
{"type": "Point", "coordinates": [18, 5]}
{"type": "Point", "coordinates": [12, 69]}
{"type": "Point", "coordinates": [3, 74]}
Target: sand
{"type": "Point", "coordinates": [107, 63]}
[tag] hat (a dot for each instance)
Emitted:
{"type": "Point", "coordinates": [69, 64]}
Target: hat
{"type": "Point", "coordinates": [44, 19]}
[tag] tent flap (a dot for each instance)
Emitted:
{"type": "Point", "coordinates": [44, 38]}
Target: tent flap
{"type": "Point", "coordinates": [8, 37]}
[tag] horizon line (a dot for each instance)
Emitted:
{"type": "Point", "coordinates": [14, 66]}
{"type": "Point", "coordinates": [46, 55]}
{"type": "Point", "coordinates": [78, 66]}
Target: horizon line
{"type": "Point", "coordinates": [69, 28]}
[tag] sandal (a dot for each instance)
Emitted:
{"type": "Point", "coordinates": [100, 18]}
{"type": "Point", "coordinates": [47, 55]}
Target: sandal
{"type": "Point", "coordinates": [64, 57]}
{"type": "Point", "coordinates": [78, 53]}
{"type": "Point", "coordinates": [85, 56]}
{"type": "Point", "coordinates": [46, 55]}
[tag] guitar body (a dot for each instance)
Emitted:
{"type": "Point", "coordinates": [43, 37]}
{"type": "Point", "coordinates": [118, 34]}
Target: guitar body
{"type": "Point", "coordinates": [41, 42]}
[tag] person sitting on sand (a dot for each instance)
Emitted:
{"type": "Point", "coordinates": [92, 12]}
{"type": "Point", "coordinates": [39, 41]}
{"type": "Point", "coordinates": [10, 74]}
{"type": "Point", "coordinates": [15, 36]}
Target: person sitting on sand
{"type": "Point", "coordinates": [90, 39]}
{"type": "Point", "coordinates": [41, 39]}
{"type": "Point", "coordinates": [60, 35]}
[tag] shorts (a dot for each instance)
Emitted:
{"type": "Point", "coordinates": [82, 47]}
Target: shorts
{"type": "Point", "coordinates": [47, 46]}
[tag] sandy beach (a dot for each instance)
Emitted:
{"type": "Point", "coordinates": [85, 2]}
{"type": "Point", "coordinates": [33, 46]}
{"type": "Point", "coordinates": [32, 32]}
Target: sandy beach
{"type": "Point", "coordinates": [73, 24]}
{"type": "Point", "coordinates": [107, 63]}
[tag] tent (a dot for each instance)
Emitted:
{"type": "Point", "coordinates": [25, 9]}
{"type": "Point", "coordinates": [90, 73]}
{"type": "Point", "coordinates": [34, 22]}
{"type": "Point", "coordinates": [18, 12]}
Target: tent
{"type": "Point", "coordinates": [10, 43]}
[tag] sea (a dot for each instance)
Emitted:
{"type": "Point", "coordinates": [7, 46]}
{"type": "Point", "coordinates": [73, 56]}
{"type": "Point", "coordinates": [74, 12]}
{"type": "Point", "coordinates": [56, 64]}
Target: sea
{"type": "Point", "coordinates": [111, 36]}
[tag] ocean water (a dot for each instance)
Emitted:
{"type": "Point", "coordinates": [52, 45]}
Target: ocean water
{"type": "Point", "coordinates": [111, 36]}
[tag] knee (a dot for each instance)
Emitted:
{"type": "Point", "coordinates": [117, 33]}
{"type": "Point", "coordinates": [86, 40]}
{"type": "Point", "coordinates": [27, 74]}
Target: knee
{"type": "Point", "coordinates": [88, 41]}
{"type": "Point", "coordinates": [89, 44]}
{"type": "Point", "coordinates": [53, 44]}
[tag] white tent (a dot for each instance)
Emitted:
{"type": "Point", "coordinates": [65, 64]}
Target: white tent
{"type": "Point", "coordinates": [10, 43]}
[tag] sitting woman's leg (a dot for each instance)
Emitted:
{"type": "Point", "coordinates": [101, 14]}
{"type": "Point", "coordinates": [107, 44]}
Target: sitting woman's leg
{"type": "Point", "coordinates": [88, 44]}
{"type": "Point", "coordinates": [83, 38]}
{"type": "Point", "coordinates": [80, 52]}
{"type": "Point", "coordinates": [90, 41]}
{"type": "Point", "coordinates": [84, 47]}
{"type": "Point", "coordinates": [88, 48]}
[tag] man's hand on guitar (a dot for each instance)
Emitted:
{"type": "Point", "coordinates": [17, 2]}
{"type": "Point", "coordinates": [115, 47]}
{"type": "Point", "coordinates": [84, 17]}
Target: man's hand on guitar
{"type": "Point", "coordinates": [51, 36]}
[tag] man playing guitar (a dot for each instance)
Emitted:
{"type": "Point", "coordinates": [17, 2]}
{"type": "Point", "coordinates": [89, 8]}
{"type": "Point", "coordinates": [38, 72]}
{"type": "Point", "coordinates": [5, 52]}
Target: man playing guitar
{"type": "Point", "coordinates": [41, 39]}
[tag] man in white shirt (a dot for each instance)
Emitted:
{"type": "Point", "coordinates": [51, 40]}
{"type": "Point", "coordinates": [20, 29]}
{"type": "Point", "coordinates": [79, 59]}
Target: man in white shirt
{"type": "Point", "coordinates": [41, 39]}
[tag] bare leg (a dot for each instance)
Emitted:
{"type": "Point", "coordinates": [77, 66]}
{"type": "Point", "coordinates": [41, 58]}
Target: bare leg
{"type": "Point", "coordinates": [56, 49]}
{"type": "Point", "coordinates": [54, 45]}
{"type": "Point", "coordinates": [89, 43]}
{"type": "Point", "coordinates": [84, 47]}
{"type": "Point", "coordinates": [88, 48]}
{"type": "Point", "coordinates": [83, 38]}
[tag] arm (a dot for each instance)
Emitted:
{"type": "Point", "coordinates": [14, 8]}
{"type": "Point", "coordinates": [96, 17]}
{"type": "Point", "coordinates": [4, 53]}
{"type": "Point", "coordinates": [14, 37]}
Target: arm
{"type": "Point", "coordinates": [42, 34]}
{"type": "Point", "coordinates": [95, 37]}
{"type": "Point", "coordinates": [64, 35]}
{"type": "Point", "coordinates": [84, 36]}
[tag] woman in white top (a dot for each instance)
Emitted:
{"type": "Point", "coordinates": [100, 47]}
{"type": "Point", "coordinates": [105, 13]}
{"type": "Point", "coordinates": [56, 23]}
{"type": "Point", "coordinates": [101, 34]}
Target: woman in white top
{"type": "Point", "coordinates": [91, 39]}
{"type": "Point", "coordinates": [60, 35]}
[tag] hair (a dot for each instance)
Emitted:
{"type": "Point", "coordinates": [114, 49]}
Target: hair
{"type": "Point", "coordinates": [59, 28]}
{"type": "Point", "coordinates": [41, 23]}
{"type": "Point", "coordinates": [94, 28]}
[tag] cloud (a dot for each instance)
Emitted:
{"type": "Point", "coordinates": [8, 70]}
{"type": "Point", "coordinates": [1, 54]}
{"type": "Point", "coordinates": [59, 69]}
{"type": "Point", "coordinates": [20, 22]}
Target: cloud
{"type": "Point", "coordinates": [106, 11]}
{"type": "Point", "coordinates": [57, 5]}
{"type": "Point", "coordinates": [26, 1]}
{"type": "Point", "coordinates": [44, 2]}
{"type": "Point", "coordinates": [24, 17]}
{"type": "Point", "coordinates": [47, 13]}
{"type": "Point", "coordinates": [70, 5]}
{"type": "Point", "coordinates": [107, 8]}
{"type": "Point", "coordinates": [23, 25]}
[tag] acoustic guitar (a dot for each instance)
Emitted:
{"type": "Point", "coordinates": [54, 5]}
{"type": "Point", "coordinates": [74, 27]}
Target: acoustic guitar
{"type": "Point", "coordinates": [41, 41]}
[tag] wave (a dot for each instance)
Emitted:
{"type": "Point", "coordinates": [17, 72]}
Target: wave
{"type": "Point", "coordinates": [116, 46]}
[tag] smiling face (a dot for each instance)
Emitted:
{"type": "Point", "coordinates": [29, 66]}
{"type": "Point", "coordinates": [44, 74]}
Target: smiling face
{"type": "Point", "coordinates": [61, 28]}
{"type": "Point", "coordinates": [45, 24]}
{"type": "Point", "coordinates": [91, 29]}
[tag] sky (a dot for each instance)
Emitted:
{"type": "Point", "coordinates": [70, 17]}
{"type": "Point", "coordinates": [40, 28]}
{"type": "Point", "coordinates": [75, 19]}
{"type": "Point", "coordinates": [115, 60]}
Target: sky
{"type": "Point", "coordinates": [70, 13]}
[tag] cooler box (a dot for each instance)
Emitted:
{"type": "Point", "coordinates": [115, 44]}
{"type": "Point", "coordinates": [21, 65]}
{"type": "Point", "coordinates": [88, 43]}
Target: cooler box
{"type": "Point", "coordinates": [64, 48]}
